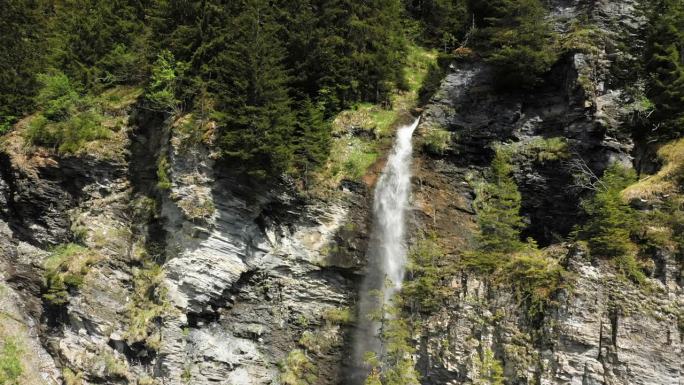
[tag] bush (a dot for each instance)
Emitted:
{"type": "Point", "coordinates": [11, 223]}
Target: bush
{"type": "Point", "coordinates": [298, 369]}
{"type": "Point", "coordinates": [628, 266]}
{"type": "Point", "coordinates": [424, 289]}
{"type": "Point", "coordinates": [67, 121]}
{"type": "Point", "coordinates": [436, 140]}
{"type": "Point", "coordinates": [163, 179]}
{"type": "Point", "coordinates": [69, 136]}
{"type": "Point", "coordinates": [497, 205]}
{"type": "Point", "coordinates": [58, 96]}
{"type": "Point", "coordinates": [541, 150]}
{"type": "Point", "coordinates": [339, 316]}
{"type": "Point", "coordinates": [164, 83]}
{"type": "Point", "coordinates": [535, 278]}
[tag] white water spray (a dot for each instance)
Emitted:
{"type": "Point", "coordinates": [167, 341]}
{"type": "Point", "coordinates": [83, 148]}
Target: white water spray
{"type": "Point", "coordinates": [387, 250]}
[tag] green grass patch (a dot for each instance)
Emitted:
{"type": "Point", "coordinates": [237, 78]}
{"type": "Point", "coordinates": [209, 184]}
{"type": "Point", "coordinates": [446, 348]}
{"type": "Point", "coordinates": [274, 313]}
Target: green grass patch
{"type": "Point", "coordinates": [69, 121]}
{"type": "Point", "coordinates": [65, 269]}
{"type": "Point", "coordinates": [298, 369]}
{"type": "Point", "coordinates": [11, 368]}
{"type": "Point", "coordinates": [339, 316]}
{"type": "Point", "coordinates": [147, 306]}
{"type": "Point", "coordinates": [436, 140]}
{"type": "Point", "coordinates": [362, 133]}
{"type": "Point", "coordinates": [118, 98]}
{"type": "Point", "coordinates": [666, 181]}
{"type": "Point", "coordinates": [539, 149]}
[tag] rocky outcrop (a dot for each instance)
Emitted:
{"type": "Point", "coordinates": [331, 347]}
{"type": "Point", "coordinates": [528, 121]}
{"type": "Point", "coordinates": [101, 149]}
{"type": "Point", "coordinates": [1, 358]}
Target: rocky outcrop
{"type": "Point", "coordinates": [249, 272]}
{"type": "Point", "coordinates": [600, 330]}
{"type": "Point", "coordinates": [178, 273]}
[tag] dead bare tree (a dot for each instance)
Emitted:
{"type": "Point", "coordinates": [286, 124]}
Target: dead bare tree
{"type": "Point", "coordinates": [584, 177]}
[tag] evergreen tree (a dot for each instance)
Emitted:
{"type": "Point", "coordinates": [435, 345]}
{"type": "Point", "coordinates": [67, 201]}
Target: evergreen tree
{"type": "Point", "coordinates": [251, 87]}
{"type": "Point", "coordinates": [311, 137]}
{"type": "Point", "coordinates": [442, 22]}
{"type": "Point", "coordinates": [665, 66]}
{"type": "Point", "coordinates": [21, 54]}
{"type": "Point", "coordinates": [498, 216]}
{"type": "Point", "coordinates": [611, 221]}
{"type": "Point", "coordinates": [516, 39]}
{"type": "Point", "coordinates": [100, 42]}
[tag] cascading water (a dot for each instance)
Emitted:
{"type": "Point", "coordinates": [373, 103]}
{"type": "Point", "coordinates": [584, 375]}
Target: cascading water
{"type": "Point", "coordinates": [387, 250]}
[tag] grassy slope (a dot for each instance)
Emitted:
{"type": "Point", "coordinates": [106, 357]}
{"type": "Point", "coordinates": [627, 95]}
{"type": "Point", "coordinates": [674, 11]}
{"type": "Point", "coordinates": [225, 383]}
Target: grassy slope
{"type": "Point", "coordinates": [362, 134]}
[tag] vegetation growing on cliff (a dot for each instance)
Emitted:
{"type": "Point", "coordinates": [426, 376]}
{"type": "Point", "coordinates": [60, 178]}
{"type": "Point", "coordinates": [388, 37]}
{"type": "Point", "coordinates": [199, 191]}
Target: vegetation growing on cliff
{"type": "Point", "coordinates": [10, 362]}
{"type": "Point", "coordinates": [610, 220]}
{"type": "Point", "coordinates": [65, 270]}
{"type": "Point", "coordinates": [517, 39]}
{"type": "Point", "coordinates": [534, 275]}
{"type": "Point", "coordinates": [665, 67]}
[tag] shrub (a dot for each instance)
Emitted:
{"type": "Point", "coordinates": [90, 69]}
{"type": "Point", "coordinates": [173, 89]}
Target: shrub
{"type": "Point", "coordinates": [339, 316]}
{"type": "Point", "coordinates": [535, 278]}
{"type": "Point", "coordinates": [67, 121]}
{"type": "Point", "coordinates": [436, 140]}
{"type": "Point", "coordinates": [298, 369]}
{"type": "Point", "coordinates": [628, 266]}
{"type": "Point", "coordinates": [541, 150]}
{"type": "Point", "coordinates": [71, 378]}
{"type": "Point", "coordinates": [490, 369]}
{"type": "Point", "coordinates": [164, 83]}
{"type": "Point", "coordinates": [58, 96]}
{"type": "Point", "coordinates": [582, 38]}
{"type": "Point", "coordinates": [147, 306]}
{"type": "Point", "coordinates": [163, 179]}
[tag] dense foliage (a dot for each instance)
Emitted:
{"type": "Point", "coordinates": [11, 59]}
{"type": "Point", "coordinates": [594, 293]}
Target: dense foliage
{"type": "Point", "coordinates": [270, 72]}
{"type": "Point", "coordinates": [665, 67]}
{"type": "Point", "coordinates": [610, 220]}
{"type": "Point", "coordinates": [498, 215]}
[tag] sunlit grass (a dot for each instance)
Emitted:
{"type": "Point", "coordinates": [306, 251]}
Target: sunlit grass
{"type": "Point", "coordinates": [667, 180]}
{"type": "Point", "coordinates": [361, 133]}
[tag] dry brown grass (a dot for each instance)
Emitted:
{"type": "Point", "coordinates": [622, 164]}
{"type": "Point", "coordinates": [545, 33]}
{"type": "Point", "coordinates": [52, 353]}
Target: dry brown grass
{"type": "Point", "coordinates": [667, 180]}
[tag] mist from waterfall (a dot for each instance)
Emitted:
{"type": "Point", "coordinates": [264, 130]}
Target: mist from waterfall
{"type": "Point", "coordinates": [387, 249]}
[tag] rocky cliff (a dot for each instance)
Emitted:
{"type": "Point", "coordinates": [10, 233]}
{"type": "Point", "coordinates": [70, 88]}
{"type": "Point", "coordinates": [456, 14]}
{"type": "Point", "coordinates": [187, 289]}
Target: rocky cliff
{"type": "Point", "coordinates": [601, 329]}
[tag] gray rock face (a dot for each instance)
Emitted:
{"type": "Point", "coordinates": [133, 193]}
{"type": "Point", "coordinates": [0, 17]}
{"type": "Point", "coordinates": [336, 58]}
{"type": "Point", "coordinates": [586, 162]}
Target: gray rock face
{"type": "Point", "coordinates": [602, 330]}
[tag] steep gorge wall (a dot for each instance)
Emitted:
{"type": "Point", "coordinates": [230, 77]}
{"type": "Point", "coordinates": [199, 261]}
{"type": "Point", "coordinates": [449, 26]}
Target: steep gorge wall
{"type": "Point", "coordinates": [601, 330]}
{"type": "Point", "coordinates": [249, 273]}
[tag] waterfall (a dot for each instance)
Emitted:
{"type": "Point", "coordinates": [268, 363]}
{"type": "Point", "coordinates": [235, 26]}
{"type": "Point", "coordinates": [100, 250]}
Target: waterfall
{"type": "Point", "coordinates": [387, 250]}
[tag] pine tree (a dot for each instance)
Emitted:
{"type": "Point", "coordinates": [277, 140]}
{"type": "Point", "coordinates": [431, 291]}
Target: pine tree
{"type": "Point", "coordinates": [442, 22]}
{"type": "Point", "coordinates": [665, 66]}
{"type": "Point", "coordinates": [516, 39]}
{"type": "Point", "coordinates": [21, 33]}
{"type": "Point", "coordinates": [611, 221]}
{"type": "Point", "coordinates": [311, 137]}
{"type": "Point", "coordinates": [251, 87]}
{"type": "Point", "coordinates": [99, 42]}
{"type": "Point", "coordinates": [498, 215]}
